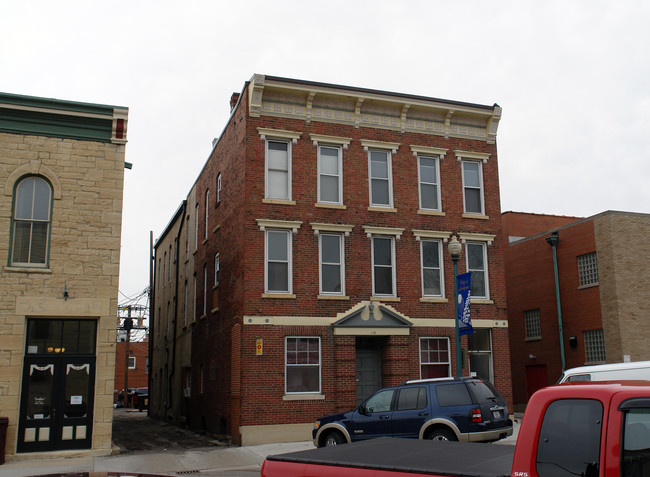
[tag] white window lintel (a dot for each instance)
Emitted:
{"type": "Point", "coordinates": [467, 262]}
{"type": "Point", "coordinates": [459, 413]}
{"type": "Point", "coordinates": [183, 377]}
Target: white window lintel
{"type": "Point", "coordinates": [372, 230]}
{"type": "Point", "coordinates": [464, 237]}
{"type": "Point", "coordinates": [340, 228]}
{"type": "Point", "coordinates": [266, 133]}
{"type": "Point", "coordinates": [293, 225]}
{"type": "Point", "coordinates": [431, 234]}
{"type": "Point", "coordinates": [481, 156]}
{"type": "Point", "coordinates": [330, 140]}
{"type": "Point", "coordinates": [428, 151]}
{"type": "Point", "coordinates": [370, 144]}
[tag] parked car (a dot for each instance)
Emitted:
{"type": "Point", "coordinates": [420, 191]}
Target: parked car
{"type": "Point", "coordinates": [140, 398]}
{"type": "Point", "coordinates": [608, 372]}
{"type": "Point", "coordinates": [444, 409]}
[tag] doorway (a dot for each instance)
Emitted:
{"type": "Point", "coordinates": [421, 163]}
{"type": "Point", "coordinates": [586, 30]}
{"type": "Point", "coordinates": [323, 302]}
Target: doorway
{"type": "Point", "coordinates": [57, 400]}
{"type": "Point", "coordinates": [368, 367]}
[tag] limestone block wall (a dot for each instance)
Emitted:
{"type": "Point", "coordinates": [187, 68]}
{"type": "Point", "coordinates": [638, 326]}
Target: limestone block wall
{"type": "Point", "coordinates": [87, 181]}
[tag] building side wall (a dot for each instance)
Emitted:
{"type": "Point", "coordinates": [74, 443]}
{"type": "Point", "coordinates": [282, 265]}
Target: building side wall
{"type": "Point", "coordinates": [138, 377]}
{"type": "Point", "coordinates": [531, 286]}
{"type": "Point", "coordinates": [623, 275]}
{"type": "Point", "coordinates": [83, 259]}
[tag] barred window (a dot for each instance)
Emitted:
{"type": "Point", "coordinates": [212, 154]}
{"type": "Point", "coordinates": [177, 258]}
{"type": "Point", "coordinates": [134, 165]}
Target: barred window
{"type": "Point", "coordinates": [588, 269]}
{"type": "Point", "coordinates": [533, 324]}
{"type": "Point", "coordinates": [594, 346]}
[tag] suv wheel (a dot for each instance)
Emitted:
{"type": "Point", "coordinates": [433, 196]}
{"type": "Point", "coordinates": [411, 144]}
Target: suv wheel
{"type": "Point", "coordinates": [441, 434]}
{"type": "Point", "coordinates": [333, 438]}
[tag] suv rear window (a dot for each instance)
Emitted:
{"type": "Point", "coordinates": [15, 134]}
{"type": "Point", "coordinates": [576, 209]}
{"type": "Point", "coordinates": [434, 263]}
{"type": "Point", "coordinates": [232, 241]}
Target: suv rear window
{"type": "Point", "coordinates": [483, 391]}
{"type": "Point", "coordinates": [453, 394]}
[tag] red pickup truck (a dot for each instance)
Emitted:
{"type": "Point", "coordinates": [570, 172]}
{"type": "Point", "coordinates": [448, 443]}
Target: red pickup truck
{"type": "Point", "coordinates": [573, 429]}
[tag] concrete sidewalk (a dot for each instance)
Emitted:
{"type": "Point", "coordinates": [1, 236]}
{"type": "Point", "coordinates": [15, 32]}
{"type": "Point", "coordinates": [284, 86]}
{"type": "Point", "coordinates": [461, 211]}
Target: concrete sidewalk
{"type": "Point", "coordinates": [209, 461]}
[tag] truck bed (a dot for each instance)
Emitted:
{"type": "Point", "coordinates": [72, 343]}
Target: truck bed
{"type": "Point", "coordinates": [455, 459]}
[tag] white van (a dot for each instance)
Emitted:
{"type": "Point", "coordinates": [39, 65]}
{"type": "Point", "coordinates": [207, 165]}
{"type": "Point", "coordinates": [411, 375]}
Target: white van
{"type": "Point", "coordinates": [608, 372]}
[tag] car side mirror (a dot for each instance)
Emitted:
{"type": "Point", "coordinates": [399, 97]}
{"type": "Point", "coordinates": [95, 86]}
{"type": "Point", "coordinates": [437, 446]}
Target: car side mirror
{"type": "Point", "coordinates": [362, 410]}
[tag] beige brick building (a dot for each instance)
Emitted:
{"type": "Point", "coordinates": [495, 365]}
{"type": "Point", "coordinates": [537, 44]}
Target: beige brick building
{"type": "Point", "coordinates": [61, 177]}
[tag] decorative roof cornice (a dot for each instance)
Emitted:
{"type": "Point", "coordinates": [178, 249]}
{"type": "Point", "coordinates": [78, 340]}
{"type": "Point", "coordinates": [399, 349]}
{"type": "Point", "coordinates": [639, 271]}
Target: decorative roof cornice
{"type": "Point", "coordinates": [359, 107]}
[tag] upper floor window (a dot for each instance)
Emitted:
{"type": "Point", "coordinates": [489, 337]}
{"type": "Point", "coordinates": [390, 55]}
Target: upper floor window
{"type": "Point", "coordinates": [381, 178]}
{"type": "Point", "coordinates": [131, 362]}
{"type": "Point", "coordinates": [196, 227]}
{"type": "Point", "coordinates": [216, 269]}
{"type": "Point", "coordinates": [278, 170]}
{"type": "Point", "coordinates": [477, 265]}
{"type": "Point", "coordinates": [588, 269]}
{"type": "Point", "coordinates": [207, 213]}
{"type": "Point", "coordinates": [429, 183]}
{"type": "Point", "coordinates": [331, 264]}
{"type": "Point", "coordinates": [473, 187]}
{"type": "Point", "coordinates": [31, 222]}
{"type": "Point", "coordinates": [219, 188]}
{"type": "Point", "coordinates": [533, 324]}
{"type": "Point", "coordinates": [430, 251]}
{"type": "Point", "coordinates": [329, 175]}
{"type": "Point", "coordinates": [383, 266]}
{"type": "Point", "coordinates": [278, 261]}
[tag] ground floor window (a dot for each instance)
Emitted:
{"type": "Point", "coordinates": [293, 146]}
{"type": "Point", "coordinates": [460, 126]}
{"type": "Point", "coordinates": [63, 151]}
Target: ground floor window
{"type": "Point", "coordinates": [434, 358]}
{"type": "Point", "coordinates": [594, 346]}
{"type": "Point", "coordinates": [480, 353]}
{"type": "Point", "coordinates": [302, 365]}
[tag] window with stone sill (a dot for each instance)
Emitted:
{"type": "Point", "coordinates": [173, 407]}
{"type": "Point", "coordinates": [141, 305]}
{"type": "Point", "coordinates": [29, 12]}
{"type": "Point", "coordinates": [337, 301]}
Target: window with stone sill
{"type": "Point", "coordinates": [302, 365]}
{"type": "Point", "coordinates": [30, 228]}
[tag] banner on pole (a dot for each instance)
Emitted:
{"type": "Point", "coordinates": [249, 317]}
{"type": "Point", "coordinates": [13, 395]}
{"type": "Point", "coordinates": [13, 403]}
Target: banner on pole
{"type": "Point", "coordinates": [463, 310]}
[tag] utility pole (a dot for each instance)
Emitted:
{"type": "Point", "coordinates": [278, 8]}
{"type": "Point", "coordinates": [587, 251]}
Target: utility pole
{"type": "Point", "coordinates": [128, 325]}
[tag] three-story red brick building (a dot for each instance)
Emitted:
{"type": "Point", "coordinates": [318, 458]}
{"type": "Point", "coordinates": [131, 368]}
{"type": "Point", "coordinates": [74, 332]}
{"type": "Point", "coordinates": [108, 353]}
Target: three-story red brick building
{"type": "Point", "coordinates": [317, 248]}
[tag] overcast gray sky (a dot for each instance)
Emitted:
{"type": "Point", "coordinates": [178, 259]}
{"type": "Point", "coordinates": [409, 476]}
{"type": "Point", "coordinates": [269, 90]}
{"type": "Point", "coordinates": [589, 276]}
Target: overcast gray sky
{"type": "Point", "coordinates": [572, 76]}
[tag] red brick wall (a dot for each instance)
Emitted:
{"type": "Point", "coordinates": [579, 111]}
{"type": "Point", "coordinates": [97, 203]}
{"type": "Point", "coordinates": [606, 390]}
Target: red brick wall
{"type": "Point", "coordinates": [247, 389]}
{"type": "Point", "coordinates": [531, 285]}
{"type": "Point", "coordinates": [138, 376]}
{"type": "Point", "coordinates": [519, 224]}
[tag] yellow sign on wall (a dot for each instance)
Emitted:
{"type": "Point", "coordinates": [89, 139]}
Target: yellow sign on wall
{"type": "Point", "coordinates": [259, 347]}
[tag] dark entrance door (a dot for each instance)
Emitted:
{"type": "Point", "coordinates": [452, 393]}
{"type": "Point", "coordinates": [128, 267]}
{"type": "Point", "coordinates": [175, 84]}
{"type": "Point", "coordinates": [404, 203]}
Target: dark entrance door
{"type": "Point", "coordinates": [368, 367]}
{"type": "Point", "coordinates": [56, 407]}
{"type": "Point", "coordinates": [535, 378]}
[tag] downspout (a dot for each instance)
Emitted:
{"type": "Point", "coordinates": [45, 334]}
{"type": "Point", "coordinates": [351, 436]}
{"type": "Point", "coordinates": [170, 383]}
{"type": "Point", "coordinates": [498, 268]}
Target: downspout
{"type": "Point", "coordinates": [152, 307]}
{"type": "Point", "coordinates": [175, 320]}
{"type": "Point", "coordinates": [552, 241]}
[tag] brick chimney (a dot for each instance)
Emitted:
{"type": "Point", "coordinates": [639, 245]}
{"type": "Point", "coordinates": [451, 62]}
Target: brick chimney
{"type": "Point", "coordinates": [233, 101]}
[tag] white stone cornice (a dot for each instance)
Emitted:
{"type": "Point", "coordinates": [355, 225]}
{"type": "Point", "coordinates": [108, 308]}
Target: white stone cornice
{"type": "Point", "coordinates": [279, 134]}
{"type": "Point", "coordinates": [371, 144]}
{"type": "Point", "coordinates": [431, 234]}
{"type": "Point", "coordinates": [428, 151]}
{"type": "Point", "coordinates": [472, 237]}
{"type": "Point", "coordinates": [337, 140]}
{"type": "Point", "coordinates": [481, 156]}
{"type": "Point", "coordinates": [371, 230]}
{"type": "Point", "coordinates": [339, 228]}
{"type": "Point", "coordinates": [292, 225]}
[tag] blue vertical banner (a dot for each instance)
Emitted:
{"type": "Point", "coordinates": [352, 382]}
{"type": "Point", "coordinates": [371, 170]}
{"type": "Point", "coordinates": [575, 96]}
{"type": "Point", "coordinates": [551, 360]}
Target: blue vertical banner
{"type": "Point", "coordinates": [462, 305]}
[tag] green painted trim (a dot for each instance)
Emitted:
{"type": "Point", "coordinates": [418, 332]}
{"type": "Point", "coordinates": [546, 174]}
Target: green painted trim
{"type": "Point", "coordinates": [56, 118]}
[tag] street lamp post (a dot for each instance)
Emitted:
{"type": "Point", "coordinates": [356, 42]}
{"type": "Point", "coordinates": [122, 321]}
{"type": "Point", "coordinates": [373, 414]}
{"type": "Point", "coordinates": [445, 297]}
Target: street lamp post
{"type": "Point", "coordinates": [455, 248]}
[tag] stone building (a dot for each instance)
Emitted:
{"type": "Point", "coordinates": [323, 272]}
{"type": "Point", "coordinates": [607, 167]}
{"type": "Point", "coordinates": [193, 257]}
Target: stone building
{"type": "Point", "coordinates": [602, 302]}
{"type": "Point", "coordinates": [61, 172]}
{"type": "Point", "coordinates": [313, 266]}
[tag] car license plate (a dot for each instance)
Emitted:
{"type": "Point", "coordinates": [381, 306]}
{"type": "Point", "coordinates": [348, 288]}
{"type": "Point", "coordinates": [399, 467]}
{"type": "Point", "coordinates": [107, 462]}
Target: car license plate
{"type": "Point", "coordinates": [496, 414]}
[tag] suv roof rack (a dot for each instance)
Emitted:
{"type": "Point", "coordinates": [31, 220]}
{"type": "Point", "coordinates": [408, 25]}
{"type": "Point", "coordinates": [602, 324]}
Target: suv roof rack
{"type": "Point", "coordinates": [432, 380]}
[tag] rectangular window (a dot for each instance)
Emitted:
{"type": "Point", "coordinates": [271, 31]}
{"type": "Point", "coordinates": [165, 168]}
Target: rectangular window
{"type": "Point", "coordinates": [533, 325]}
{"type": "Point", "coordinates": [131, 362]}
{"type": "Point", "coordinates": [479, 348]}
{"type": "Point", "coordinates": [302, 365]}
{"type": "Point", "coordinates": [594, 346]}
{"type": "Point", "coordinates": [431, 270]}
{"type": "Point", "coordinates": [329, 175]}
{"type": "Point", "coordinates": [331, 264]}
{"type": "Point", "coordinates": [218, 188]}
{"type": "Point", "coordinates": [278, 170]}
{"type": "Point", "coordinates": [216, 269]}
{"type": "Point", "coordinates": [477, 265]}
{"type": "Point", "coordinates": [429, 186]}
{"type": "Point", "coordinates": [473, 187]}
{"type": "Point", "coordinates": [205, 290]}
{"type": "Point", "coordinates": [434, 358]}
{"type": "Point", "coordinates": [196, 227]}
{"type": "Point", "coordinates": [207, 212]}
{"type": "Point", "coordinates": [381, 178]}
{"type": "Point", "coordinates": [278, 261]}
{"type": "Point", "coordinates": [383, 266]}
{"type": "Point", "coordinates": [588, 269]}
{"type": "Point", "coordinates": [195, 293]}
{"type": "Point", "coordinates": [185, 314]}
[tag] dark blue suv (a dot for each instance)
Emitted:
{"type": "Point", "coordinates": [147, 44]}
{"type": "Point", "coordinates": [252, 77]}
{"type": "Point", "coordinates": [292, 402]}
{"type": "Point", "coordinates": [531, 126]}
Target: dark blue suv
{"type": "Point", "coordinates": [445, 409]}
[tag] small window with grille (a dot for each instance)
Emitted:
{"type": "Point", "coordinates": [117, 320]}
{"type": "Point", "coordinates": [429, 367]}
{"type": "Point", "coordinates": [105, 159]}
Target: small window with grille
{"type": "Point", "coordinates": [594, 346]}
{"type": "Point", "coordinates": [533, 325]}
{"type": "Point", "coordinates": [588, 269]}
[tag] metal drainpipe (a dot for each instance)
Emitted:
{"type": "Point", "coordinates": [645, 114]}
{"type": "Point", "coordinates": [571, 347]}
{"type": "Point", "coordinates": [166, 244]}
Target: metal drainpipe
{"type": "Point", "coordinates": [552, 241]}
